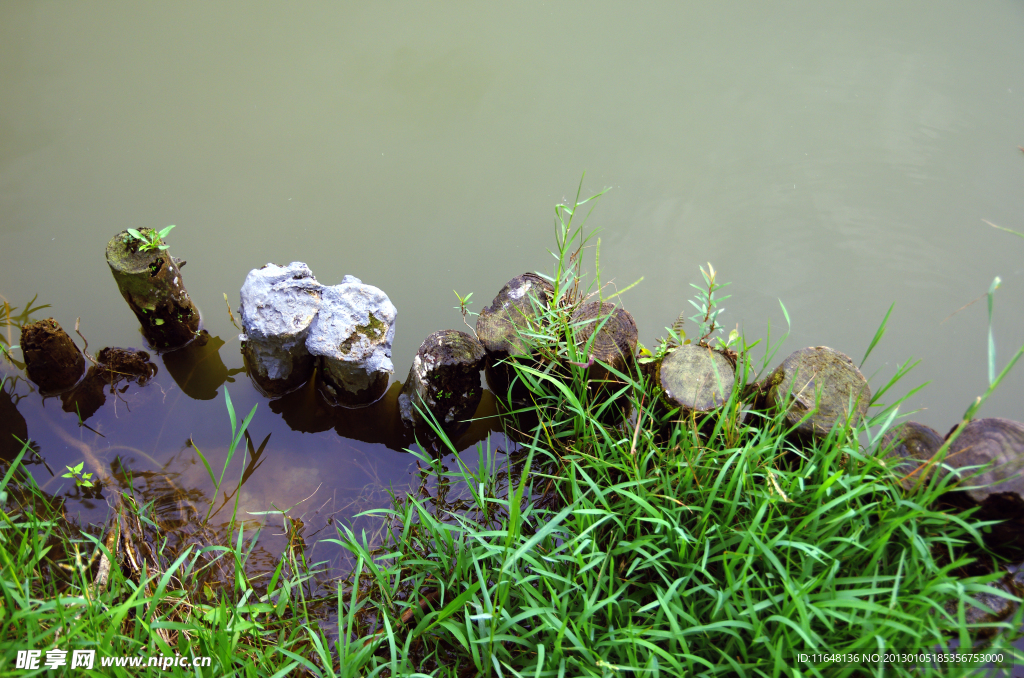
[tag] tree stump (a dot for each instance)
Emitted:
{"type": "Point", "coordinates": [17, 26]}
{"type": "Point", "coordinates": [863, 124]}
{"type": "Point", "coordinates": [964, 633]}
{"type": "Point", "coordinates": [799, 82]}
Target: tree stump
{"type": "Point", "coordinates": [52, 360]}
{"type": "Point", "coordinates": [352, 335]}
{"type": "Point", "coordinates": [152, 285]}
{"type": "Point", "coordinates": [999, 489]}
{"type": "Point", "coordinates": [795, 386]}
{"type": "Point", "coordinates": [520, 300]}
{"type": "Point", "coordinates": [912, 446]}
{"type": "Point", "coordinates": [607, 333]}
{"type": "Point", "coordinates": [695, 378]}
{"type": "Point", "coordinates": [277, 307]}
{"type": "Point", "coordinates": [113, 365]}
{"type": "Point", "coordinates": [444, 379]}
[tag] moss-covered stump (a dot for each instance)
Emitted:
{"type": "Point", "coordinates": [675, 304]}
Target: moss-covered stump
{"type": "Point", "coordinates": [695, 378]}
{"type": "Point", "coordinates": [351, 337]}
{"type": "Point", "coordinates": [820, 376]}
{"type": "Point", "coordinates": [911, 449]}
{"type": "Point", "coordinates": [520, 300]}
{"type": "Point", "coordinates": [498, 329]}
{"type": "Point", "coordinates": [444, 379]}
{"type": "Point", "coordinates": [606, 333]}
{"type": "Point", "coordinates": [52, 360]}
{"type": "Point", "coordinates": [150, 281]}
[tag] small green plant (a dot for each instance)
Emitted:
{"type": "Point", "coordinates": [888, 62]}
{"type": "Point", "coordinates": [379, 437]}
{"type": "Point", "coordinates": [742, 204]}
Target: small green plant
{"type": "Point", "coordinates": [706, 304]}
{"type": "Point", "coordinates": [151, 240]}
{"type": "Point", "coordinates": [81, 479]}
{"type": "Point", "coordinates": [463, 307]}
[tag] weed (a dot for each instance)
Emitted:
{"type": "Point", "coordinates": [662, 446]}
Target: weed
{"type": "Point", "coordinates": [81, 479]}
{"type": "Point", "coordinates": [150, 239]}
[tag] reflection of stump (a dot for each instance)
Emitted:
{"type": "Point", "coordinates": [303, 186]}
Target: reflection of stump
{"type": "Point", "coordinates": [114, 365]}
{"type": "Point", "coordinates": [444, 378]}
{"type": "Point", "coordinates": [607, 333]}
{"type": "Point", "coordinates": [198, 369]}
{"type": "Point", "coordinates": [695, 378]}
{"type": "Point", "coordinates": [913, 446]}
{"type": "Point", "coordinates": [152, 285]}
{"type": "Point", "coordinates": [52, 360]}
{"type": "Point", "coordinates": [278, 304]}
{"type": "Point", "coordinates": [352, 335]}
{"type": "Point", "coordinates": [808, 374]}
{"type": "Point", "coordinates": [519, 302]}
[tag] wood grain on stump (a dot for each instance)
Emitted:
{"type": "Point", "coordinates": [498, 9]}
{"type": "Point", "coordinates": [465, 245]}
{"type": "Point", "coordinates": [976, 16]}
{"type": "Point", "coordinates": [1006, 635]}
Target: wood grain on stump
{"type": "Point", "coordinates": [444, 378]}
{"type": "Point", "coordinates": [498, 325]}
{"type": "Point", "coordinates": [696, 378]}
{"type": "Point", "coordinates": [607, 333]}
{"type": "Point", "coordinates": [52, 360]}
{"type": "Point", "coordinates": [912, 446]}
{"type": "Point", "coordinates": [152, 285]}
{"type": "Point", "coordinates": [812, 373]}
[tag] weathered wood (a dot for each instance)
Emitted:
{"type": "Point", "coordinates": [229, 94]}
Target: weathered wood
{"type": "Point", "coordinates": [912, 447]}
{"type": "Point", "coordinates": [607, 333]}
{"type": "Point", "coordinates": [113, 366]}
{"type": "Point", "coordinates": [444, 379]}
{"type": "Point", "coordinates": [52, 360]}
{"type": "Point", "coordinates": [812, 373]}
{"type": "Point", "coordinates": [996, 441]}
{"type": "Point", "coordinates": [150, 281]}
{"type": "Point", "coordinates": [695, 378]}
{"type": "Point", "coordinates": [498, 325]}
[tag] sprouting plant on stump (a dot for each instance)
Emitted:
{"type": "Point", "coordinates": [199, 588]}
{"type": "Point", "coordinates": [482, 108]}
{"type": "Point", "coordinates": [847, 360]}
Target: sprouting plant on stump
{"type": "Point", "coordinates": [463, 307]}
{"type": "Point", "coordinates": [151, 240]}
{"type": "Point", "coordinates": [707, 306]}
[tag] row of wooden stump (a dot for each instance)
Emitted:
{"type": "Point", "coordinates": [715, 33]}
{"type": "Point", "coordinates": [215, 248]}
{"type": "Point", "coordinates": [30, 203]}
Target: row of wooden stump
{"type": "Point", "coordinates": [817, 387]}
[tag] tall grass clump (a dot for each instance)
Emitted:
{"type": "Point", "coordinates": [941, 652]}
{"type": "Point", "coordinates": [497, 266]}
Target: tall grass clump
{"type": "Point", "coordinates": [622, 538]}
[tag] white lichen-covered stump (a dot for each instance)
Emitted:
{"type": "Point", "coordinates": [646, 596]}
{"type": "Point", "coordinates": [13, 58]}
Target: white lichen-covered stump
{"type": "Point", "coordinates": [278, 305]}
{"type": "Point", "coordinates": [444, 379]}
{"type": "Point", "coordinates": [351, 337]}
{"type": "Point", "coordinates": [818, 379]}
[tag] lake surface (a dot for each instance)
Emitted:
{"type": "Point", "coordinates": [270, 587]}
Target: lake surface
{"type": "Point", "coordinates": [838, 157]}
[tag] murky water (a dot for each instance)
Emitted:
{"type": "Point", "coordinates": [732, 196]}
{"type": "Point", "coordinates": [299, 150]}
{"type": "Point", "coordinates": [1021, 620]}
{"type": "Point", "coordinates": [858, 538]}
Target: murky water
{"type": "Point", "coordinates": [837, 156]}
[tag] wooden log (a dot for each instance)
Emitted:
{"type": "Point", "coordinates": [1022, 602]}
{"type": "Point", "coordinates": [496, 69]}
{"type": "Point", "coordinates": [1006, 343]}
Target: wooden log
{"type": "Point", "coordinates": [607, 333]}
{"type": "Point", "coordinates": [113, 365]}
{"type": "Point", "coordinates": [912, 447]}
{"type": "Point", "coordinates": [999, 489]}
{"type": "Point", "coordinates": [52, 360]}
{"type": "Point", "coordinates": [695, 378]}
{"type": "Point", "coordinates": [498, 326]}
{"type": "Point", "coordinates": [444, 379]}
{"type": "Point", "coordinates": [812, 373]}
{"type": "Point", "coordinates": [150, 281]}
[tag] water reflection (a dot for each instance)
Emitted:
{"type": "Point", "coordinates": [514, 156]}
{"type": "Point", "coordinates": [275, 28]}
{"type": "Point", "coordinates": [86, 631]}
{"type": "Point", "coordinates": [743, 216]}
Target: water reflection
{"type": "Point", "coordinates": [198, 369]}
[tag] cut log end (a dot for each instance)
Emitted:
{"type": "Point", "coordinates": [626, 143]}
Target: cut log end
{"type": "Point", "coordinates": [498, 325]}
{"type": "Point", "coordinates": [696, 378]}
{"type": "Point", "coordinates": [607, 333]}
{"type": "Point", "coordinates": [822, 378]}
{"type": "Point", "coordinates": [911, 449]}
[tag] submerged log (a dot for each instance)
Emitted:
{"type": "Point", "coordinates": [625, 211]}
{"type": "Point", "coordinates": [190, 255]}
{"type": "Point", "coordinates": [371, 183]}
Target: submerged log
{"type": "Point", "coordinates": [817, 377]}
{"type": "Point", "coordinates": [912, 447]}
{"type": "Point", "coordinates": [444, 379]}
{"type": "Point", "coordinates": [352, 335]}
{"type": "Point", "coordinates": [607, 333]}
{"type": "Point", "coordinates": [278, 304]}
{"type": "Point", "coordinates": [113, 366]}
{"type": "Point", "coordinates": [150, 281]}
{"type": "Point", "coordinates": [519, 301]}
{"type": "Point", "coordinates": [696, 378]}
{"type": "Point", "coordinates": [52, 360]}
